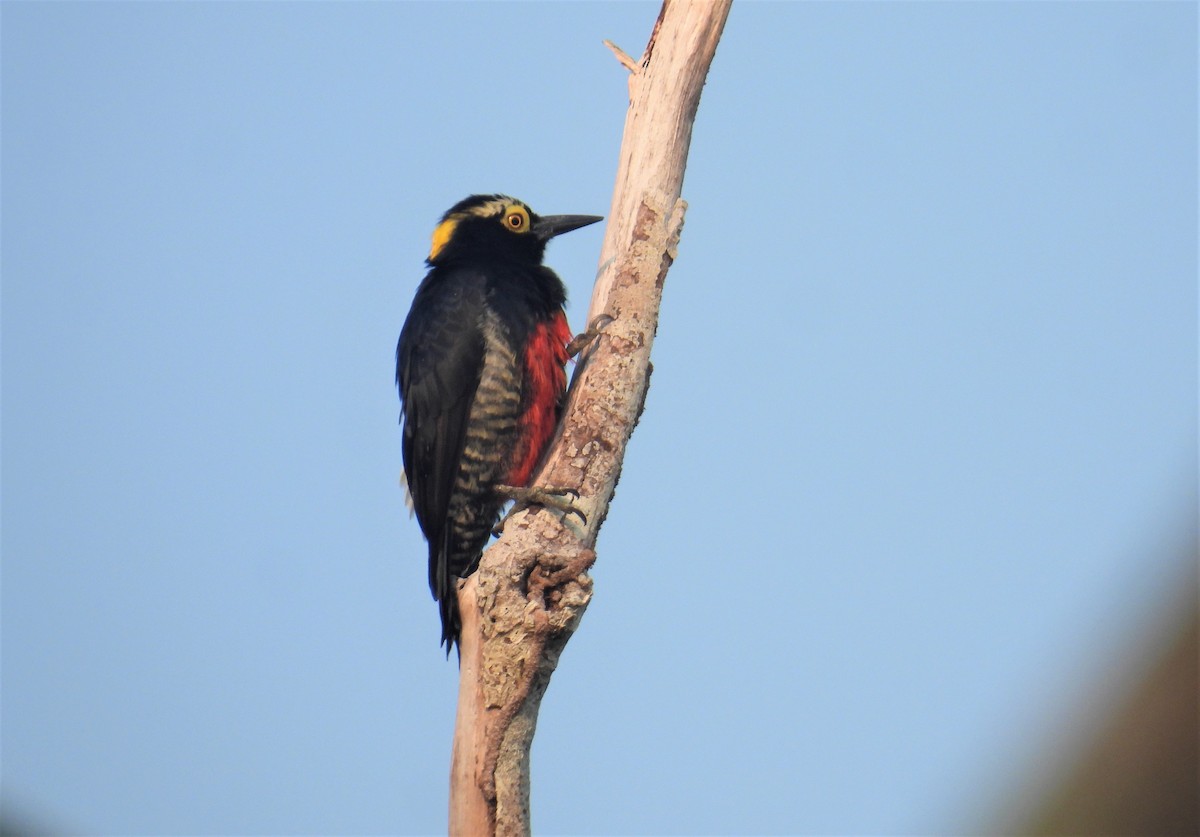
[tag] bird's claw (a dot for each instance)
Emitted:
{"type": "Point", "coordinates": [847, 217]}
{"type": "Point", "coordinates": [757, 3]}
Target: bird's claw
{"type": "Point", "coordinates": [595, 328]}
{"type": "Point", "coordinates": [562, 499]}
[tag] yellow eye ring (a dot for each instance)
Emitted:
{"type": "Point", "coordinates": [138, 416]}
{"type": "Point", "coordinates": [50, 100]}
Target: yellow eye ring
{"type": "Point", "coordinates": [516, 220]}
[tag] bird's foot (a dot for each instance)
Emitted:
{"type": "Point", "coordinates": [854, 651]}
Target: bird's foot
{"type": "Point", "coordinates": [582, 341]}
{"type": "Point", "coordinates": [562, 499]}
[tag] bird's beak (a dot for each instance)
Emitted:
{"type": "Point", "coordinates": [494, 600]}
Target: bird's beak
{"type": "Point", "coordinates": [549, 226]}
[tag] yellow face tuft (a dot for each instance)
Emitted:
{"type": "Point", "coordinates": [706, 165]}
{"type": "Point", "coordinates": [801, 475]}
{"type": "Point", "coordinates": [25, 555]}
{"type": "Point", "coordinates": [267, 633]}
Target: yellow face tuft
{"type": "Point", "coordinates": [510, 212]}
{"type": "Point", "coordinates": [442, 236]}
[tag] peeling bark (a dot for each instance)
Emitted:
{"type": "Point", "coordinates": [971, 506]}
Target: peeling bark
{"type": "Point", "coordinates": [531, 589]}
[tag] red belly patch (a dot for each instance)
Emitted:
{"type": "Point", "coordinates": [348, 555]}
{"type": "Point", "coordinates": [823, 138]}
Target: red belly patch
{"type": "Point", "coordinates": [545, 382]}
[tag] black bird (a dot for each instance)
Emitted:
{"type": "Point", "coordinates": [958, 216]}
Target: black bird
{"type": "Point", "coordinates": [481, 371]}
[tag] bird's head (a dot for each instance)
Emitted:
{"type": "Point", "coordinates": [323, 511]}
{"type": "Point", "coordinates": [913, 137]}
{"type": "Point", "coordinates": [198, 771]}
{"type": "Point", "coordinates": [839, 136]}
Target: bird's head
{"type": "Point", "coordinates": [498, 227]}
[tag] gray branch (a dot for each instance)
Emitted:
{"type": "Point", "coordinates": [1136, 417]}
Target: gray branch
{"type": "Point", "coordinates": [531, 589]}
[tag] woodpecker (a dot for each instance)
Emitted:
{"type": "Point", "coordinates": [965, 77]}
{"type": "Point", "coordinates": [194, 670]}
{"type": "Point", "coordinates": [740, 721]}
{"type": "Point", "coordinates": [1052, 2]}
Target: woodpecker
{"type": "Point", "coordinates": [481, 368]}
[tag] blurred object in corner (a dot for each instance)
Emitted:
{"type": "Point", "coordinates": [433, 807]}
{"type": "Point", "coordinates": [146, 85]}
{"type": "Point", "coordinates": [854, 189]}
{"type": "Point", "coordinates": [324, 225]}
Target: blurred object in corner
{"type": "Point", "coordinates": [1141, 776]}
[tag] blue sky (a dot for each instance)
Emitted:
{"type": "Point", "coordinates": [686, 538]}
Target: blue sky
{"type": "Point", "coordinates": [918, 461]}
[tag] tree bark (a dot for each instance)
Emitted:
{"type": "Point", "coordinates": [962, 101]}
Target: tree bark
{"type": "Point", "coordinates": [522, 605]}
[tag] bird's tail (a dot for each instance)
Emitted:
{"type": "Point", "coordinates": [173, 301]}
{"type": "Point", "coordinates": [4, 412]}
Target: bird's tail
{"type": "Point", "coordinates": [443, 583]}
{"type": "Point", "coordinates": [451, 621]}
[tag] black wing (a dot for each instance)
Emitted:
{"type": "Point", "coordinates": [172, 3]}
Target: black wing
{"type": "Point", "coordinates": [438, 364]}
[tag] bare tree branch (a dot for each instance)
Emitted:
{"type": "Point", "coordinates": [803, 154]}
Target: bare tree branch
{"type": "Point", "coordinates": [522, 605]}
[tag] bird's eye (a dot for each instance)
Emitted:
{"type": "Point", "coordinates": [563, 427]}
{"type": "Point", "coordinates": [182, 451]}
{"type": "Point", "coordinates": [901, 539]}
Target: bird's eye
{"type": "Point", "coordinates": [516, 221]}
